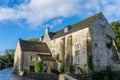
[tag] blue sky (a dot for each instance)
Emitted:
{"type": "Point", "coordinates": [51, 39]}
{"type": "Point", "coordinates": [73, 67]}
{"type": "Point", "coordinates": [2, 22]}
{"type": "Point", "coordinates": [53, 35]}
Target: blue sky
{"type": "Point", "coordinates": [28, 18]}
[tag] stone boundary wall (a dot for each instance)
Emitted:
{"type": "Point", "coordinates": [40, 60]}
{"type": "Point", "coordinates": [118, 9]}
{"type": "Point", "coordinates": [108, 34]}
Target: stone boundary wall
{"type": "Point", "coordinates": [42, 76]}
{"type": "Point", "coordinates": [66, 77]}
{"type": "Point", "coordinates": [115, 67]}
{"type": "Point", "coordinates": [81, 76]}
{"type": "Point", "coordinates": [75, 77]}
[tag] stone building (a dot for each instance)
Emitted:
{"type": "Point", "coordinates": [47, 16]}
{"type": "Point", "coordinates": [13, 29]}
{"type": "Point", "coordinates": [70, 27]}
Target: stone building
{"type": "Point", "coordinates": [73, 45]}
{"type": "Point", "coordinates": [27, 53]}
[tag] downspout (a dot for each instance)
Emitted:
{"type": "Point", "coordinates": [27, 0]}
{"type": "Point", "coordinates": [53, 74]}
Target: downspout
{"type": "Point", "coordinates": [116, 47]}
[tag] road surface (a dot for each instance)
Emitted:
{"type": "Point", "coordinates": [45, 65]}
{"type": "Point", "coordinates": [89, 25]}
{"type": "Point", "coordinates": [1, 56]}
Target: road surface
{"type": "Point", "coordinates": [6, 74]}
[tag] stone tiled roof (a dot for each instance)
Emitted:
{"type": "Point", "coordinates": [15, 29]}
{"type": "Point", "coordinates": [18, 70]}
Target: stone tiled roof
{"type": "Point", "coordinates": [80, 25]}
{"type": "Point", "coordinates": [44, 57]}
{"type": "Point", "coordinates": [34, 46]}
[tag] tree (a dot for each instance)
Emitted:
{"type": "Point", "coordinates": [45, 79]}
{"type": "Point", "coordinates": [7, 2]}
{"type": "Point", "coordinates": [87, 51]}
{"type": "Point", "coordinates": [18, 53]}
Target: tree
{"type": "Point", "coordinates": [116, 27]}
{"type": "Point", "coordinates": [9, 56]}
{"type": "Point", "coordinates": [32, 40]}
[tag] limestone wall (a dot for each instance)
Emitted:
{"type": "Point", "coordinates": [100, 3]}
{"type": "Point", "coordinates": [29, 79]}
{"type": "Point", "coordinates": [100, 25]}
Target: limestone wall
{"type": "Point", "coordinates": [26, 59]}
{"type": "Point", "coordinates": [27, 62]}
{"type": "Point", "coordinates": [78, 37]}
{"type": "Point", "coordinates": [17, 57]}
{"type": "Point", "coordinates": [42, 76]}
{"type": "Point", "coordinates": [99, 35]}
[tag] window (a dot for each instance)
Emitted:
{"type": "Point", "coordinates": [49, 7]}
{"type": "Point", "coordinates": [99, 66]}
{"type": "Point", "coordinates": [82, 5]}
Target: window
{"type": "Point", "coordinates": [32, 58]}
{"type": "Point", "coordinates": [65, 29]}
{"type": "Point", "coordinates": [77, 47]}
{"type": "Point", "coordinates": [101, 22]}
{"type": "Point", "coordinates": [78, 60]}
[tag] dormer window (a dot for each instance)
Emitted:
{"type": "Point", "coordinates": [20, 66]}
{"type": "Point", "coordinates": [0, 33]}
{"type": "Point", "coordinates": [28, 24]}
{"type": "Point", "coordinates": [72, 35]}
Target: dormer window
{"type": "Point", "coordinates": [65, 29]}
{"type": "Point", "coordinates": [102, 22]}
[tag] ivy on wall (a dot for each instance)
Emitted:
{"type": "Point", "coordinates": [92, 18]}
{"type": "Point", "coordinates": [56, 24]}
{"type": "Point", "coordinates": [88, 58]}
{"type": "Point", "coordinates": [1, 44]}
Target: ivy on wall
{"type": "Point", "coordinates": [109, 45]}
{"type": "Point", "coordinates": [89, 62]}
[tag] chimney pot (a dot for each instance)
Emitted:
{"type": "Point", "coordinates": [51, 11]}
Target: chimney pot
{"type": "Point", "coordinates": [47, 30]}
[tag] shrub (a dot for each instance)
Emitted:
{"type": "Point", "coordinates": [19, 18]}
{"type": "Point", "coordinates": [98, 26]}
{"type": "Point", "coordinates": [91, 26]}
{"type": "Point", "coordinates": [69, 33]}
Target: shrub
{"type": "Point", "coordinates": [62, 69]}
{"type": "Point", "coordinates": [90, 63]}
{"type": "Point", "coordinates": [38, 66]}
{"type": "Point", "coordinates": [72, 69]}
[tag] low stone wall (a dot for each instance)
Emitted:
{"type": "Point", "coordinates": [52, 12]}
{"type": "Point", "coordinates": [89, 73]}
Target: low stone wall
{"type": "Point", "coordinates": [94, 76]}
{"type": "Point", "coordinates": [81, 76]}
{"type": "Point", "coordinates": [66, 77]}
{"type": "Point", "coordinates": [115, 67]}
{"type": "Point", "coordinates": [42, 76]}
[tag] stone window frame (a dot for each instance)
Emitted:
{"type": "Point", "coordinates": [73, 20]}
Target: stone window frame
{"type": "Point", "coordinates": [32, 58]}
{"type": "Point", "coordinates": [77, 46]}
{"type": "Point", "coordinates": [77, 59]}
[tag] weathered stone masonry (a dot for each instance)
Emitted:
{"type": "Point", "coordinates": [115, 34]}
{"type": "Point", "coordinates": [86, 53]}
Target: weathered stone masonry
{"type": "Point", "coordinates": [72, 45]}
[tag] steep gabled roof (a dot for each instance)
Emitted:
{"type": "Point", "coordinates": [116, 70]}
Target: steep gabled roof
{"type": "Point", "coordinates": [34, 46]}
{"type": "Point", "coordinates": [80, 25]}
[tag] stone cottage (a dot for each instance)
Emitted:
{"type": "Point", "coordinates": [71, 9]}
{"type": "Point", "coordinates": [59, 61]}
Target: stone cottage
{"type": "Point", "coordinates": [27, 53]}
{"type": "Point", "coordinates": [73, 45]}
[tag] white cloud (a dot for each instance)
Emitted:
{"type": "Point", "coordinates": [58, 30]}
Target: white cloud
{"type": "Point", "coordinates": [54, 23]}
{"type": "Point", "coordinates": [38, 12]}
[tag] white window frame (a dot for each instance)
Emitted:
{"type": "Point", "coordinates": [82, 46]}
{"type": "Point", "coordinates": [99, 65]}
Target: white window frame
{"type": "Point", "coordinates": [101, 22]}
{"type": "Point", "coordinates": [65, 29]}
{"type": "Point", "coordinates": [77, 60]}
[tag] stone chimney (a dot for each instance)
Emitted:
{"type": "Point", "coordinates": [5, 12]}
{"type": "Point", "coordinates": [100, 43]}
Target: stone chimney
{"type": "Point", "coordinates": [46, 30]}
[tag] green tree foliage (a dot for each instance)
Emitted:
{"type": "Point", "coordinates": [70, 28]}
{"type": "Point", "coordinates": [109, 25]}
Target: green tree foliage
{"type": "Point", "coordinates": [32, 40]}
{"type": "Point", "coordinates": [116, 27]}
{"type": "Point", "coordinates": [8, 57]}
{"type": "Point", "coordinates": [38, 66]}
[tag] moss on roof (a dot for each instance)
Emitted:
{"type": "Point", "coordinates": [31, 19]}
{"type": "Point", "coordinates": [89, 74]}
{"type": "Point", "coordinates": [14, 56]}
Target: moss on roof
{"type": "Point", "coordinates": [75, 27]}
{"type": "Point", "coordinates": [34, 46]}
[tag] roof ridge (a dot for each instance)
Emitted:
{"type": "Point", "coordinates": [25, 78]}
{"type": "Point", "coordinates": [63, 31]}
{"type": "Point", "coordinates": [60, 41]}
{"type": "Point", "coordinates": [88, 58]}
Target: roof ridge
{"type": "Point", "coordinates": [95, 15]}
{"type": "Point", "coordinates": [77, 26]}
{"type": "Point", "coordinates": [34, 46]}
{"type": "Point", "coordinates": [28, 41]}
